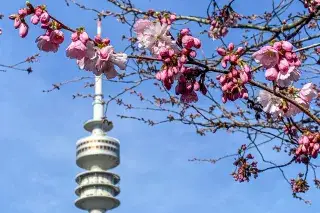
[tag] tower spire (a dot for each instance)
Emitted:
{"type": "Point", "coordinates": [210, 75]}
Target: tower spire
{"type": "Point", "coordinates": [97, 153]}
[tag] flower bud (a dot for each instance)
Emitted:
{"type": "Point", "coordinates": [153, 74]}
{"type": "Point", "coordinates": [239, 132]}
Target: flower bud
{"type": "Point", "coordinates": [231, 47]}
{"type": "Point", "coordinates": [23, 30]}
{"type": "Point", "coordinates": [271, 74]}
{"type": "Point", "coordinates": [221, 51]}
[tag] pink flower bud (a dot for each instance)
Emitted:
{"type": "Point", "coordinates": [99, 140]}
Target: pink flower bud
{"type": "Point", "coordinates": [188, 41]}
{"type": "Point", "coordinates": [283, 66]}
{"type": "Point", "coordinates": [224, 63]}
{"type": "Point", "coordinates": [23, 30]}
{"type": "Point", "coordinates": [35, 19]}
{"type": "Point", "coordinates": [231, 47]}
{"type": "Point", "coordinates": [246, 68]}
{"type": "Point", "coordinates": [277, 45]}
{"type": "Point", "coordinates": [74, 36]}
{"type": "Point", "coordinates": [244, 77]}
{"type": "Point", "coordinates": [17, 22]}
{"type": "Point", "coordinates": [240, 50]}
{"type": "Point", "coordinates": [221, 51]}
{"type": "Point", "coordinates": [185, 32]}
{"type": "Point", "coordinates": [44, 18]}
{"type": "Point", "coordinates": [197, 43]}
{"type": "Point", "coordinates": [84, 37]}
{"type": "Point", "coordinates": [271, 74]}
{"type": "Point", "coordinates": [287, 46]}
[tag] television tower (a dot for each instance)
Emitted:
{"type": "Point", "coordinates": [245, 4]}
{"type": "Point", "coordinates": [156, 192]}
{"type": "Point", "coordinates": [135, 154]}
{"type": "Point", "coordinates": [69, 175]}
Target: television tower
{"type": "Point", "coordinates": [97, 153]}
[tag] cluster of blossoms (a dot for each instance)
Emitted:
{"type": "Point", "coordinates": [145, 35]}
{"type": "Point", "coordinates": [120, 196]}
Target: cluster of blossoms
{"type": "Point", "coordinates": [245, 169]}
{"type": "Point", "coordinates": [166, 18]}
{"type": "Point", "coordinates": [299, 185]}
{"type": "Point", "coordinates": [174, 54]}
{"type": "Point", "coordinates": [277, 107]}
{"type": "Point", "coordinates": [311, 5]}
{"type": "Point", "coordinates": [153, 36]}
{"type": "Point", "coordinates": [92, 55]}
{"type": "Point", "coordinates": [233, 83]}
{"type": "Point", "coordinates": [53, 37]}
{"type": "Point", "coordinates": [220, 23]}
{"type": "Point", "coordinates": [309, 146]}
{"type": "Point", "coordinates": [280, 61]}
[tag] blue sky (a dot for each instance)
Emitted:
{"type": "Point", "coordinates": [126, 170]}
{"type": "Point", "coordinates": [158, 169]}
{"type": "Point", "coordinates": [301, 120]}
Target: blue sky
{"type": "Point", "coordinates": [39, 132]}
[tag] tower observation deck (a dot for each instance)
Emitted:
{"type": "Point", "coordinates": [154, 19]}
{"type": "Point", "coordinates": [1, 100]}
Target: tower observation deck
{"type": "Point", "coordinates": [97, 153]}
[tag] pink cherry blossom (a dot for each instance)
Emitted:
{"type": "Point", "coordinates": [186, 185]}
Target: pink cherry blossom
{"type": "Point", "coordinates": [141, 25]}
{"type": "Point", "coordinates": [76, 50]}
{"type": "Point", "coordinates": [154, 37]}
{"type": "Point", "coordinates": [294, 110]}
{"type": "Point", "coordinates": [267, 56]}
{"type": "Point", "coordinates": [89, 61]}
{"type": "Point", "coordinates": [57, 37]}
{"type": "Point", "coordinates": [284, 80]}
{"type": "Point", "coordinates": [45, 44]}
{"type": "Point", "coordinates": [106, 52]}
{"type": "Point", "coordinates": [270, 103]}
{"type": "Point", "coordinates": [308, 92]}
